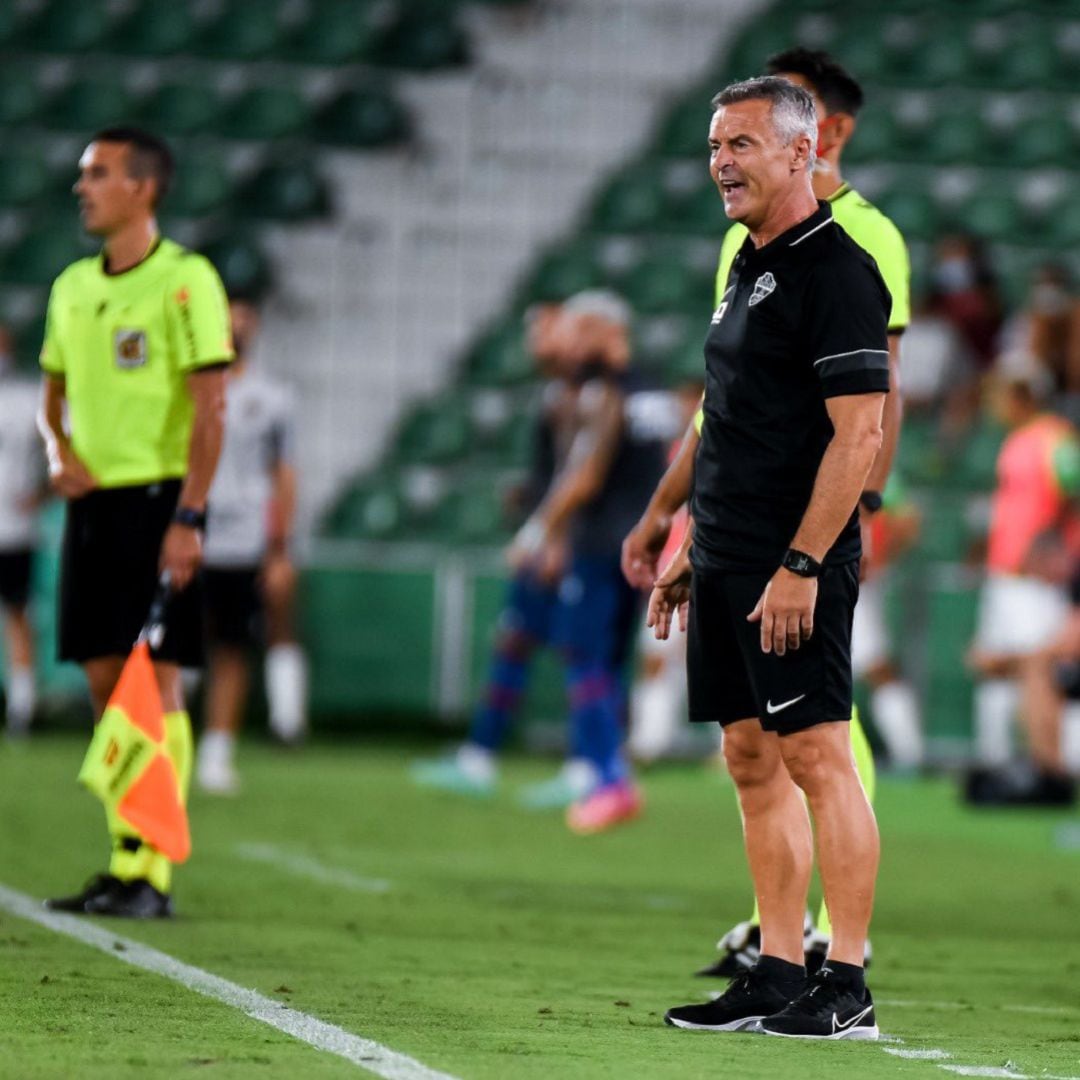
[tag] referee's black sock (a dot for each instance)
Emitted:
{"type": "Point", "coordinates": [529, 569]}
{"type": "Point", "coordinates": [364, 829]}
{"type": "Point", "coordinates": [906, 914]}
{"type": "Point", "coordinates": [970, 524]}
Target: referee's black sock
{"type": "Point", "coordinates": [851, 975]}
{"type": "Point", "coordinates": [782, 974]}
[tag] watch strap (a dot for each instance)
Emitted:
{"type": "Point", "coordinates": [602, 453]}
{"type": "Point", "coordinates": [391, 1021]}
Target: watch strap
{"type": "Point", "coordinates": [798, 562]}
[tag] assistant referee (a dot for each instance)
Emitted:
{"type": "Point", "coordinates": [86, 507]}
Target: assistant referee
{"type": "Point", "coordinates": [136, 341]}
{"type": "Point", "coordinates": [797, 369]}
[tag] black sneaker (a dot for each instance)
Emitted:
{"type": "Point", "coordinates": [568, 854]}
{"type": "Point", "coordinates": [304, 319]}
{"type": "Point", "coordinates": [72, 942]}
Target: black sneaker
{"type": "Point", "coordinates": [827, 1009]}
{"type": "Point", "coordinates": [94, 891]}
{"type": "Point", "coordinates": [750, 997]}
{"type": "Point", "coordinates": [740, 948]}
{"type": "Point", "coordinates": [107, 895]}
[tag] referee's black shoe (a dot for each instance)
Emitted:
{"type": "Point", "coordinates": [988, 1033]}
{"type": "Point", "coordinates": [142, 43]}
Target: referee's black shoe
{"type": "Point", "coordinates": [829, 1008]}
{"type": "Point", "coordinates": [749, 998]}
{"type": "Point", "coordinates": [108, 895]}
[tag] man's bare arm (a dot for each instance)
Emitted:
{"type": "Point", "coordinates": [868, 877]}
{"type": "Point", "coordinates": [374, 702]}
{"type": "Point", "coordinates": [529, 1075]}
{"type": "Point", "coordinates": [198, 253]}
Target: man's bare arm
{"type": "Point", "coordinates": [841, 476]}
{"type": "Point", "coordinates": [644, 543]}
{"type": "Point", "coordinates": [181, 550]}
{"type": "Point", "coordinates": [891, 420]}
{"type": "Point", "coordinates": [67, 474]}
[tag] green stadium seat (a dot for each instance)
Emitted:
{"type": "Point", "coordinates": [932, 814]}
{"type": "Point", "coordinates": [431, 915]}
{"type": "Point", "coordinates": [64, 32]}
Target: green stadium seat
{"type": "Point", "coordinates": [632, 202]}
{"type": "Point", "coordinates": [765, 36]}
{"type": "Point", "coordinates": [564, 272]}
{"type": "Point", "coordinates": [911, 210]}
{"type": "Point", "coordinates": [21, 95]}
{"type": "Point", "coordinates": [284, 191]}
{"type": "Point", "coordinates": [371, 511]}
{"type": "Point", "coordinates": [156, 28]}
{"type": "Point", "coordinates": [88, 104]}
{"type": "Point", "coordinates": [43, 251]}
{"type": "Point", "coordinates": [685, 132]}
{"type": "Point", "coordinates": [875, 136]}
{"type": "Point", "coordinates": [1007, 55]}
{"type": "Point", "coordinates": [243, 30]}
{"type": "Point", "coordinates": [73, 26]}
{"type": "Point", "coordinates": [956, 136]}
{"type": "Point", "coordinates": [976, 467]}
{"type": "Point", "coordinates": [28, 339]}
{"type": "Point", "coordinates": [265, 112]}
{"type": "Point", "coordinates": [337, 32]}
{"type": "Point", "coordinates": [1047, 138]}
{"type": "Point", "coordinates": [990, 215]}
{"type": "Point", "coordinates": [936, 54]}
{"type": "Point", "coordinates": [474, 514]}
{"type": "Point", "coordinates": [669, 283]}
{"type": "Point", "coordinates": [362, 117]}
{"type": "Point", "coordinates": [699, 214]}
{"type": "Point", "coordinates": [423, 37]}
{"type": "Point", "coordinates": [500, 357]}
{"type": "Point", "coordinates": [202, 185]}
{"type": "Point", "coordinates": [434, 434]}
{"type": "Point", "coordinates": [24, 178]}
{"type": "Point", "coordinates": [186, 108]}
{"type": "Point", "coordinates": [243, 267]}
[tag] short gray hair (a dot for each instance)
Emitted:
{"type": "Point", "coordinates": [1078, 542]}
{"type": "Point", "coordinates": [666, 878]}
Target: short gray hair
{"type": "Point", "coordinates": [793, 113]}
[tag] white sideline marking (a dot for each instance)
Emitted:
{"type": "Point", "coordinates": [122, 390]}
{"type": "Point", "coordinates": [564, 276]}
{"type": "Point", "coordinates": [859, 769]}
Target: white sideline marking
{"type": "Point", "coordinates": [918, 1055]}
{"type": "Point", "coordinates": [312, 869]}
{"type": "Point", "coordinates": [1000, 1071]}
{"type": "Point", "coordinates": [370, 1055]}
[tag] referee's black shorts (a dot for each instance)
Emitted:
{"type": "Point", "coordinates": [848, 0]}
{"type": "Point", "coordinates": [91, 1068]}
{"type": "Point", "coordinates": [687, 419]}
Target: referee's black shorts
{"type": "Point", "coordinates": [109, 572]}
{"type": "Point", "coordinates": [731, 679]}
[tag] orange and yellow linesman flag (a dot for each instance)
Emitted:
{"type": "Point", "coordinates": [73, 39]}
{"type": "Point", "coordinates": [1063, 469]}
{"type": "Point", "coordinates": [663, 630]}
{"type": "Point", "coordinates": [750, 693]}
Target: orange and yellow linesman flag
{"type": "Point", "coordinates": [128, 767]}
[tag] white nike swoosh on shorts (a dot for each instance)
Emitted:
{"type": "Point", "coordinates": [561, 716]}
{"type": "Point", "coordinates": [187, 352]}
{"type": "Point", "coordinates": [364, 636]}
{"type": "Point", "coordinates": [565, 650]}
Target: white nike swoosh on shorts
{"type": "Point", "coordinates": [770, 708]}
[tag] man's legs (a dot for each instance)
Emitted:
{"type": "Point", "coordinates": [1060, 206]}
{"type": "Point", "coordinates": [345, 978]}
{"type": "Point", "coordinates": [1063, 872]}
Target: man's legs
{"type": "Point", "coordinates": [776, 831]}
{"type": "Point", "coordinates": [285, 668]}
{"type": "Point", "coordinates": [226, 695]}
{"type": "Point", "coordinates": [819, 760]}
{"type": "Point", "coordinates": [19, 687]}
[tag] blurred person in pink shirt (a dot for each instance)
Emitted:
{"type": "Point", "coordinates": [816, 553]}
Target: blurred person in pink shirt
{"type": "Point", "coordinates": [1023, 604]}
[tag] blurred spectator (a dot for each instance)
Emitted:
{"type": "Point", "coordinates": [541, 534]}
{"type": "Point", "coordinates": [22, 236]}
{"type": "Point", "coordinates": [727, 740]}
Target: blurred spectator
{"type": "Point", "coordinates": [22, 486]}
{"type": "Point", "coordinates": [965, 291]}
{"type": "Point", "coordinates": [893, 702]}
{"type": "Point", "coordinates": [936, 359]}
{"type": "Point", "coordinates": [1032, 522]}
{"type": "Point", "coordinates": [249, 578]}
{"type": "Point", "coordinates": [658, 703]}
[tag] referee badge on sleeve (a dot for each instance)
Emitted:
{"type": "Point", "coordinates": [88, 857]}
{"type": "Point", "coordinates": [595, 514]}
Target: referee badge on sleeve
{"type": "Point", "coordinates": [129, 348]}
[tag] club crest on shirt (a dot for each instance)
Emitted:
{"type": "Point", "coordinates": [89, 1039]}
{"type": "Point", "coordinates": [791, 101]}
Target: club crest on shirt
{"type": "Point", "coordinates": [762, 287]}
{"type": "Point", "coordinates": [129, 348]}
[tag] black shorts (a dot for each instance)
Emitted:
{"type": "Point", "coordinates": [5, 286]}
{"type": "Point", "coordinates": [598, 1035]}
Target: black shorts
{"type": "Point", "coordinates": [109, 573]}
{"type": "Point", "coordinates": [16, 569]}
{"type": "Point", "coordinates": [234, 607]}
{"type": "Point", "coordinates": [731, 679]}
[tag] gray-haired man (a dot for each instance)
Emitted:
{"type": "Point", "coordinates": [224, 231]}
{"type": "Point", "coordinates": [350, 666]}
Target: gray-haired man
{"type": "Point", "coordinates": [797, 369]}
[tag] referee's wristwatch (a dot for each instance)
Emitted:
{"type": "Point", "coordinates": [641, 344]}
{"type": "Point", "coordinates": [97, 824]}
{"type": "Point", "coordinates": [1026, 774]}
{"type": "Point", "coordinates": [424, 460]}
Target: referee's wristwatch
{"type": "Point", "coordinates": [189, 517]}
{"type": "Point", "coordinates": [871, 501]}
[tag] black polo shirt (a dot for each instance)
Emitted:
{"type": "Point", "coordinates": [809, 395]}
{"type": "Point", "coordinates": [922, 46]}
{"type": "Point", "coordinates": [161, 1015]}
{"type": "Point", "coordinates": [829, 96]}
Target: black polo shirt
{"type": "Point", "coordinates": [804, 318]}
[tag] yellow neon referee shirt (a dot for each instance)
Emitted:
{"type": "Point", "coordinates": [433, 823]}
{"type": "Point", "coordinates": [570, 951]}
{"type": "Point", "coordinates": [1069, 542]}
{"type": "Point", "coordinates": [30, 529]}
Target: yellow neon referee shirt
{"type": "Point", "coordinates": [870, 229]}
{"type": "Point", "coordinates": [124, 345]}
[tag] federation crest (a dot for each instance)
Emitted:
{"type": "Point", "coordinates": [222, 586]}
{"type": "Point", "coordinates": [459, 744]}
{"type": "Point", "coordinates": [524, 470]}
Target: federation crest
{"type": "Point", "coordinates": [762, 287]}
{"type": "Point", "coordinates": [129, 348]}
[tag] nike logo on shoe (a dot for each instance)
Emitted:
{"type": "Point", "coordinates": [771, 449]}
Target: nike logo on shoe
{"type": "Point", "coordinates": [838, 1026]}
{"type": "Point", "coordinates": [770, 708]}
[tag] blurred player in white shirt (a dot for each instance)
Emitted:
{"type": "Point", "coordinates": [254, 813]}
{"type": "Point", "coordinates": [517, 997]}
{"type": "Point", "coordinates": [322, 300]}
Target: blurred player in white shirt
{"type": "Point", "coordinates": [249, 577]}
{"type": "Point", "coordinates": [22, 473]}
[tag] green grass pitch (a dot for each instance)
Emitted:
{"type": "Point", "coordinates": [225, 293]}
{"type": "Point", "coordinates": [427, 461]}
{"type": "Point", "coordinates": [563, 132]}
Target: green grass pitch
{"type": "Point", "coordinates": [505, 947]}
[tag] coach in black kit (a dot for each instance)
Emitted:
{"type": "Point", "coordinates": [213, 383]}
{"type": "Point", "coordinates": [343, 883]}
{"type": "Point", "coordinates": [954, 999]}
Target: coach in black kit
{"type": "Point", "coordinates": [797, 369]}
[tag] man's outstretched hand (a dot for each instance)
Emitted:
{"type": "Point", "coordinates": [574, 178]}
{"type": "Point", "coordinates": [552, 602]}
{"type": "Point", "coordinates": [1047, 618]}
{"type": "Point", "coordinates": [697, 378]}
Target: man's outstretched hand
{"type": "Point", "coordinates": [671, 593]}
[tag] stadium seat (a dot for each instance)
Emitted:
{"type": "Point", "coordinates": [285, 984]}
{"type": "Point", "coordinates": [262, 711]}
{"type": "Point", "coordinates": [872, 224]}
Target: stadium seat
{"type": "Point", "coordinates": [155, 28]}
{"type": "Point", "coordinates": [564, 272]}
{"type": "Point", "coordinates": [500, 357]}
{"type": "Point", "coordinates": [474, 514]}
{"type": "Point", "coordinates": [21, 95]}
{"type": "Point", "coordinates": [372, 511]}
{"type": "Point", "coordinates": [669, 283]}
{"type": "Point", "coordinates": [685, 132]}
{"type": "Point", "coordinates": [933, 53]}
{"type": "Point", "coordinates": [24, 178]}
{"type": "Point", "coordinates": [43, 251]}
{"type": "Point", "coordinates": [243, 267]}
{"type": "Point", "coordinates": [424, 36]}
{"type": "Point", "coordinates": [633, 201]}
{"type": "Point", "coordinates": [367, 116]}
{"type": "Point", "coordinates": [1012, 55]}
{"type": "Point", "coordinates": [66, 26]}
{"type": "Point", "coordinates": [910, 208]}
{"type": "Point", "coordinates": [201, 185]}
{"type": "Point", "coordinates": [699, 214]}
{"type": "Point", "coordinates": [434, 434]}
{"type": "Point", "coordinates": [88, 104]}
{"type": "Point", "coordinates": [875, 136]}
{"type": "Point", "coordinates": [186, 108]}
{"type": "Point", "coordinates": [1045, 138]}
{"type": "Point", "coordinates": [243, 30]}
{"type": "Point", "coordinates": [264, 112]}
{"type": "Point", "coordinates": [284, 191]}
{"type": "Point", "coordinates": [337, 32]}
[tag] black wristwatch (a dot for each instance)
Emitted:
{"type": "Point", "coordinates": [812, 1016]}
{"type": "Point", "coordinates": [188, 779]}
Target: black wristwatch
{"type": "Point", "coordinates": [190, 517]}
{"type": "Point", "coordinates": [871, 501]}
{"type": "Point", "coordinates": [798, 562]}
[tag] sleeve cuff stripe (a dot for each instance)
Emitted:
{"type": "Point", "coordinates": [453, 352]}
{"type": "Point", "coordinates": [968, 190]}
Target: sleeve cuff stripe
{"type": "Point", "coordinates": [852, 352]}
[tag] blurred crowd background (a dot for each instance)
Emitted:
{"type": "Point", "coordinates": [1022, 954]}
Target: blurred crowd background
{"type": "Point", "coordinates": [395, 182]}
